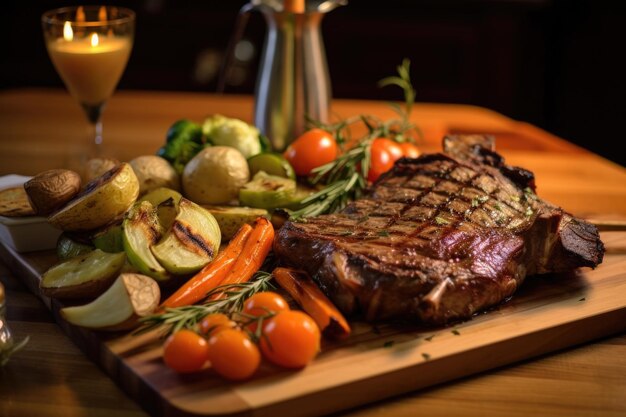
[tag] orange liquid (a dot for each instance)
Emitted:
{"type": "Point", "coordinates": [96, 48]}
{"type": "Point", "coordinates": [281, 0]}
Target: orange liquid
{"type": "Point", "coordinates": [90, 73]}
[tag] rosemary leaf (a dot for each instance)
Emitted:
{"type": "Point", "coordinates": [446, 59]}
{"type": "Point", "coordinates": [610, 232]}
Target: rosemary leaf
{"type": "Point", "coordinates": [187, 317]}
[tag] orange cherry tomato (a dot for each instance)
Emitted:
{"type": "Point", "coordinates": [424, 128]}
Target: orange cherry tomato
{"type": "Point", "coordinates": [312, 149]}
{"type": "Point", "coordinates": [384, 152]}
{"type": "Point", "coordinates": [233, 355]}
{"type": "Point", "coordinates": [262, 304]}
{"type": "Point", "coordinates": [214, 323]}
{"type": "Point", "coordinates": [409, 150]}
{"type": "Point", "coordinates": [265, 302]}
{"type": "Point", "coordinates": [290, 339]}
{"type": "Point", "coordinates": [185, 351]}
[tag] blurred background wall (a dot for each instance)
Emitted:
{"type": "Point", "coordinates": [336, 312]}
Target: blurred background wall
{"type": "Point", "coordinates": [556, 64]}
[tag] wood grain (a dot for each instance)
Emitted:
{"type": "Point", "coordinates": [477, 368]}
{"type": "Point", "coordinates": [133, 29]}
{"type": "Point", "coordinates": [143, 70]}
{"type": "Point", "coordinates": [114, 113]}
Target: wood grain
{"type": "Point", "coordinates": [586, 381]}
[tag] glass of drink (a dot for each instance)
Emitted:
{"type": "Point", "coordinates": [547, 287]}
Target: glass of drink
{"type": "Point", "coordinates": [89, 47]}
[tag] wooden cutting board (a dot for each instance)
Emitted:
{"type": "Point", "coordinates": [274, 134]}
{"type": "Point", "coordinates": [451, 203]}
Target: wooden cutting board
{"type": "Point", "coordinates": [548, 313]}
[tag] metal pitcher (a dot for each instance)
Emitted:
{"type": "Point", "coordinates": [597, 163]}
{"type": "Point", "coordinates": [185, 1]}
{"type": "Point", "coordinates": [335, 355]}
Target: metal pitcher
{"type": "Point", "coordinates": [293, 82]}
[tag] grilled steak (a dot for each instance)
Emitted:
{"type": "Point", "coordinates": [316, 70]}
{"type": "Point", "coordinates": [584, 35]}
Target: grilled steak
{"type": "Point", "coordinates": [439, 238]}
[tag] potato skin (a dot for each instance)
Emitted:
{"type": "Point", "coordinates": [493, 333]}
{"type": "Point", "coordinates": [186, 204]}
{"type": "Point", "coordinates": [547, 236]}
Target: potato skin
{"type": "Point", "coordinates": [49, 190]}
{"type": "Point", "coordinates": [95, 167]}
{"type": "Point", "coordinates": [154, 172]}
{"type": "Point", "coordinates": [215, 175]}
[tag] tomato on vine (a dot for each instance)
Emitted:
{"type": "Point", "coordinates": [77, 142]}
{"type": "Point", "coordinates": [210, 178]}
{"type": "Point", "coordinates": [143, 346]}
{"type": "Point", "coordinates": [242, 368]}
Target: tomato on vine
{"type": "Point", "coordinates": [214, 323]}
{"type": "Point", "coordinates": [233, 355]}
{"type": "Point", "coordinates": [310, 150]}
{"type": "Point", "coordinates": [290, 339]}
{"type": "Point", "coordinates": [383, 153]}
{"type": "Point", "coordinates": [265, 302]}
{"type": "Point", "coordinates": [409, 150]}
{"type": "Point", "coordinates": [185, 351]}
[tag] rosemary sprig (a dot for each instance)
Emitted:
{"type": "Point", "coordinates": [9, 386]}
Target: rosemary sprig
{"type": "Point", "coordinates": [187, 317]}
{"type": "Point", "coordinates": [403, 81]}
{"type": "Point", "coordinates": [345, 178]}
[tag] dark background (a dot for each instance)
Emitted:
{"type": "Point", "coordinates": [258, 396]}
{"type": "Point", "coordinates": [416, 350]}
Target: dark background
{"type": "Point", "coordinates": [556, 64]}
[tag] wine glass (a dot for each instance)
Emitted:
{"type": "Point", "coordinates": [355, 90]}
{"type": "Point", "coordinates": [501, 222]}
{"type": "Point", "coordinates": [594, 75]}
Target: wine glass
{"type": "Point", "coordinates": [89, 46]}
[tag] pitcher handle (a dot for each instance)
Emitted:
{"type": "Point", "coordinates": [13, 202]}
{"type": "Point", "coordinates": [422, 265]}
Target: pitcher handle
{"type": "Point", "coordinates": [240, 26]}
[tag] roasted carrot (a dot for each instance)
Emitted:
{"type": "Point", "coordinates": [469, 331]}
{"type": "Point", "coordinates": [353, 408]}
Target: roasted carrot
{"type": "Point", "coordinates": [212, 274]}
{"type": "Point", "coordinates": [252, 255]}
{"type": "Point", "coordinates": [308, 295]}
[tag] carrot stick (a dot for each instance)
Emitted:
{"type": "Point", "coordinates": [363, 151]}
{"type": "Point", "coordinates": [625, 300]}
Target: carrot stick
{"type": "Point", "coordinates": [308, 295]}
{"type": "Point", "coordinates": [212, 274]}
{"type": "Point", "coordinates": [252, 255]}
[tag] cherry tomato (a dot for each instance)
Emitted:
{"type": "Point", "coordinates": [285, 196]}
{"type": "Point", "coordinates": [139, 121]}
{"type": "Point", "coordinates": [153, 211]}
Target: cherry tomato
{"type": "Point", "coordinates": [409, 150]}
{"type": "Point", "coordinates": [312, 149]}
{"type": "Point", "coordinates": [214, 323]}
{"type": "Point", "coordinates": [185, 351]}
{"type": "Point", "coordinates": [233, 355]}
{"type": "Point", "coordinates": [290, 339]}
{"type": "Point", "coordinates": [263, 303]}
{"type": "Point", "coordinates": [394, 148]}
{"type": "Point", "coordinates": [384, 152]}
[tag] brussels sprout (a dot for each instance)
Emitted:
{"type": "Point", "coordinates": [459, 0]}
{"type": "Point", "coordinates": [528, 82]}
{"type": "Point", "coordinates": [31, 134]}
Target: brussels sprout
{"type": "Point", "coordinates": [183, 141]}
{"type": "Point", "coordinates": [225, 131]}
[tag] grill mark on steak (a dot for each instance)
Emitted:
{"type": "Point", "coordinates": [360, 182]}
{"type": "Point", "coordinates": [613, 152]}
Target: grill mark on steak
{"type": "Point", "coordinates": [439, 238]}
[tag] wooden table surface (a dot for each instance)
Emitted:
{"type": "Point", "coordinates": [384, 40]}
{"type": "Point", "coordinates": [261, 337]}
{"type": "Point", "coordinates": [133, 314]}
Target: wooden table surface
{"type": "Point", "coordinates": [42, 129]}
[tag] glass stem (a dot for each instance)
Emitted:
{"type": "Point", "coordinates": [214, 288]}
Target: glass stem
{"type": "Point", "coordinates": [96, 137]}
{"type": "Point", "coordinates": [95, 128]}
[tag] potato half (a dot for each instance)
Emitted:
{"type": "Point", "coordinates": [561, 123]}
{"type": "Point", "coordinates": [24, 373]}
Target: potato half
{"type": "Point", "coordinates": [102, 201]}
{"type": "Point", "coordinates": [154, 172]}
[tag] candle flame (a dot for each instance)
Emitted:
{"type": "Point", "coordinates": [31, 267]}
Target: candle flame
{"type": "Point", "coordinates": [68, 33]}
{"type": "Point", "coordinates": [94, 39]}
{"type": "Point", "coordinates": [102, 14]}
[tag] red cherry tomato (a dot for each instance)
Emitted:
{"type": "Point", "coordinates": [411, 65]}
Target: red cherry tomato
{"type": "Point", "coordinates": [394, 148]}
{"type": "Point", "coordinates": [185, 351]}
{"type": "Point", "coordinates": [312, 149]}
{"type": "Point", "coordinates": [409, 150]}
{"type": "Point", "coordinates": [233, 355]}
{"type": "Point", "coordinates": [290, 339]}
{"type": "Point", "coordinates": [384, 152]}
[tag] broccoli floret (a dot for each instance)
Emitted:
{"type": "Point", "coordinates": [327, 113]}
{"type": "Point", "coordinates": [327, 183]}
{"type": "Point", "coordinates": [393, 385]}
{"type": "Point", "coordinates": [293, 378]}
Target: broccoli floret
{"type": "Point", "coordinates": [183, 141]}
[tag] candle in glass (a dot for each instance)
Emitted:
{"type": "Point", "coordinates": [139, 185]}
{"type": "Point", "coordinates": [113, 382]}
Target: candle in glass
{"type": "Point", "coordinates": [90, 67]}
{"type": "Point", "coordinates": [89, 47]}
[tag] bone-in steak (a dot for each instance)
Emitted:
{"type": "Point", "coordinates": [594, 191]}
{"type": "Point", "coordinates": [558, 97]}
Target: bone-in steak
{"type": "Point", "coordinates": [439, 238]}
